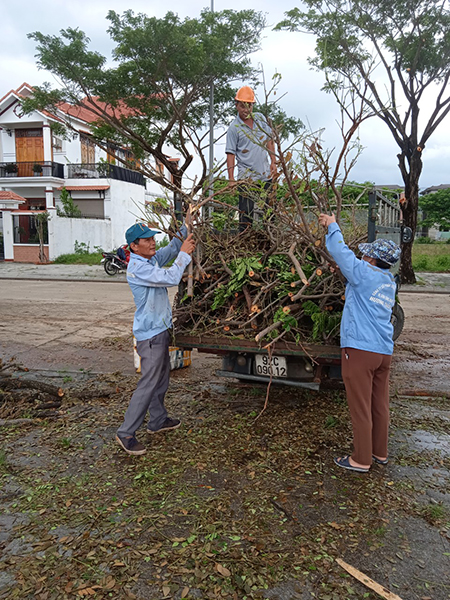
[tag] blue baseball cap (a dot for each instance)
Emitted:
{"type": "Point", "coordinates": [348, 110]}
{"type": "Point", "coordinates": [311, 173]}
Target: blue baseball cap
{"type": "Point", "coordinates": [385, 250]}
{"type": "Point", "coordinates": [139, 230]}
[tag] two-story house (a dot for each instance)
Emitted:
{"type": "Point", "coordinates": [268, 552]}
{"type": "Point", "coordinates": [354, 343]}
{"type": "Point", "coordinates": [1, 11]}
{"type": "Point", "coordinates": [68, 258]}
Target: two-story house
{"type": "Point", "coordinates": [35, 165]}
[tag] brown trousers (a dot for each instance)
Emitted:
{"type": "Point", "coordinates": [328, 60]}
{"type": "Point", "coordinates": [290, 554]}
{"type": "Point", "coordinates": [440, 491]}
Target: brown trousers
{"type": "Point", "coordinates": [366, 379]}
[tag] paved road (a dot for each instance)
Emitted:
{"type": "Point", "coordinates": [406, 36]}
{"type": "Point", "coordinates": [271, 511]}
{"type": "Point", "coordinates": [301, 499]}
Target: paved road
{"type": "Point", "coordinates": [66, 325]}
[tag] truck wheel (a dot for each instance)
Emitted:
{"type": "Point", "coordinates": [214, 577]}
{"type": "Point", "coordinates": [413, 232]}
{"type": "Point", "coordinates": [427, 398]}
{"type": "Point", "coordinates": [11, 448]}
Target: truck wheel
{"type": "Point", "coordinates": [110, 268]}
{"type": "Point", "coordinates": [397, 320]}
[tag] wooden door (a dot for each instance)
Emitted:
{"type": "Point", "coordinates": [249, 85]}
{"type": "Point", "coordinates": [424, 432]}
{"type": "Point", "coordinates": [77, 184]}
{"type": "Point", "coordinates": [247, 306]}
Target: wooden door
{"type": "Point", "coordinates": [87, 150]}
{"type": "Point", "coordinates": [29, 150]}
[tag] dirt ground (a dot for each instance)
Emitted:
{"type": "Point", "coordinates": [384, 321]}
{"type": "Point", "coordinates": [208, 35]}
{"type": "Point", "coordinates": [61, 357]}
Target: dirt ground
{"type": "Point", "coordinates": [229, 506]}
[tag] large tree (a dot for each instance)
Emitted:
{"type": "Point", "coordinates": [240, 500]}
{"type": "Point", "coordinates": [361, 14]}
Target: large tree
{"type": "Point", "coordinates": [391, 53]}
{"type": "Point", "coordinates": [155, 94]}
{"type": "Point", "coordinates": [436, 208]}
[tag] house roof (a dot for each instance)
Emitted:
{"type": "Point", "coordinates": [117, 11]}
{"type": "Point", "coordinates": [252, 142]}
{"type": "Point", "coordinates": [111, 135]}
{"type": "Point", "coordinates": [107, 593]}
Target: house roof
{"type": "Point", "coordinates": [7, 195]}
{"type": "Point", "coordinates": [435, 188]}
{"type": "Point", "coordinates": [19, 91]}
{"type": "Point", "coordinates": [84, 188]}
{"type": "Point", "coordinates": [91, 111]}
{"type": "Point", "coordinates": [23, 91]}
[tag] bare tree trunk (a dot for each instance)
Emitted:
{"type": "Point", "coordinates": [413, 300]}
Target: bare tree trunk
{"type": "Point", "coordinates": [411, 178]}
{"type": "Point", "coordinates": [40, 229]}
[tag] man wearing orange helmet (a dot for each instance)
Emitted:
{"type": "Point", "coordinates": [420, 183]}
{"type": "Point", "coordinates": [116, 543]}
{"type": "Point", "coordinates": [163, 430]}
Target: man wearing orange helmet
{"type": "Point", "coordinates": [250, 145]}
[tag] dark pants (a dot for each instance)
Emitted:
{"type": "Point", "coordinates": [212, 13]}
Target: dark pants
{"type": "Point", "coordinates": [248, 193]}
{"type": "Point", "coordinates": [366, 379]}
{"type": "Point", "coordinates": [152, 386]}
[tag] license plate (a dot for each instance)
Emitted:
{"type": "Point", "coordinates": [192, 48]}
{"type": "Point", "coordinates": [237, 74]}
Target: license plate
{"type": "Point", "coordinates": [266, 366]}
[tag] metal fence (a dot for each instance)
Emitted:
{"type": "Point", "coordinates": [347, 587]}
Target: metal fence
{"type": "Point", "coordinates": [104, 170]}
{"type": "Point", "coordinates": [32, 169]}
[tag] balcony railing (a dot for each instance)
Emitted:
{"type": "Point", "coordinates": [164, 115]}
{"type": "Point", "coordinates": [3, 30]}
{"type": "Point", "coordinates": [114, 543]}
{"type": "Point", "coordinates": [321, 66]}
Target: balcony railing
{"type": "Point", "coordinates": [72, 171]}
{"type": "Point", "coordinates": [32, 169]}
{"type": "Point", "coordinates": [100, 170]}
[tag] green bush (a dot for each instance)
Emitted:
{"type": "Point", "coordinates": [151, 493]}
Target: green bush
{"type": "Point", "coordinates": [424, 240]}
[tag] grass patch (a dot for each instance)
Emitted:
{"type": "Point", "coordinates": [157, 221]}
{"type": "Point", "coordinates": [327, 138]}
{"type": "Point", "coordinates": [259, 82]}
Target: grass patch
{"type": "Point", "coordinates": [431, 258]}
{"type": "Point", "coordinates": [92, 258]}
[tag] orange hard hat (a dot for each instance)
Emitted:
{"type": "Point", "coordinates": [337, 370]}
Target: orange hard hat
{"type": "Point", "coordinates": [245, 94]}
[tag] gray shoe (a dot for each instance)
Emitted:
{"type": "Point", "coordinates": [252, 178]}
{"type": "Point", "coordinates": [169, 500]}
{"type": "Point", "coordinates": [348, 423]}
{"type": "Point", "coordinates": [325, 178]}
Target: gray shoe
{"type": "Point", "coordinates": [131, 445]}
{"type": "Point", "coordinates": [166, 426]}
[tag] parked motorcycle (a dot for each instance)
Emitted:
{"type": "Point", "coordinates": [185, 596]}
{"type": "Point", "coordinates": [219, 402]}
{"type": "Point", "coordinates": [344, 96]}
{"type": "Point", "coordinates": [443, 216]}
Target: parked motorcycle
{"type": "Point", "coordinates": [112, 263]}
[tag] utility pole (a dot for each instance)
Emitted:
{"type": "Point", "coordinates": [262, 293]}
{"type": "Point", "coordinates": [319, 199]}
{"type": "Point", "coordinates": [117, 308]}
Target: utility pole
{"type": "Point", "coordinates": [211, 129]}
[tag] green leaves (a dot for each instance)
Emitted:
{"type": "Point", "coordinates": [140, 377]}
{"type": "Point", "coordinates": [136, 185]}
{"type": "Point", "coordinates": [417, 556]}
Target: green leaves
{"type": "Point", "coordinates": [243, 270]}
{"type": "Point", "coordinates": [436, 207]}
{"type": "Point", "coordinates": [157, 91]}
{"type": "Point", "coordinates": [325, 323]}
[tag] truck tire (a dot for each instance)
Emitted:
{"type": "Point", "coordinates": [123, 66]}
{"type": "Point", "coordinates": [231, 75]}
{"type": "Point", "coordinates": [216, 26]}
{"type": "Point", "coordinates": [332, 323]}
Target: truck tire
{"type": "Point", "coordinates": [397, 320]}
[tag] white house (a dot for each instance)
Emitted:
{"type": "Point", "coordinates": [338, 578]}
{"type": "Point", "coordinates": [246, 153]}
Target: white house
{"type": "Point", "coordinates": [35, 165]}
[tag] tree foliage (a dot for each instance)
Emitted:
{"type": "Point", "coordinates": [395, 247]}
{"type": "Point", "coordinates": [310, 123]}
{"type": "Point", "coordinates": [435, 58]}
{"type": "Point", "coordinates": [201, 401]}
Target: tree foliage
{"type": "Point", "coordinates": [155, 95]}
{"type": "Point", "coordinates": [390, 53]}
{"type": "Point", "coordinates": [436, 208]}
{"type": "Point", "coordinates": [69, 208]}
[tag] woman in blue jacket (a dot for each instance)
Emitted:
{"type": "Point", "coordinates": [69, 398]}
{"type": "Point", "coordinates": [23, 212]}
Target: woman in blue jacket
{"type": "Point", "coordinates": [366, 342]}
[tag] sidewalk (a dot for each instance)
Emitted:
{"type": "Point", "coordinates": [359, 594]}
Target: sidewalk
{"type": "Point", "coordinates": [11, 270]}
{"type": "Point", "coordinates": [426, 282]}
{"type": "Point", "coordinates": [429, 282]}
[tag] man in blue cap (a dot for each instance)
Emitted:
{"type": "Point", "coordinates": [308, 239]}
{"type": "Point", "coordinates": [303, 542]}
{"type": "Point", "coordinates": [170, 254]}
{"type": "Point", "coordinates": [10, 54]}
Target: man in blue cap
{"type": "Point", "coordinates": [149, 281]}
{"type": "Point", "coordinates": [366, 342]}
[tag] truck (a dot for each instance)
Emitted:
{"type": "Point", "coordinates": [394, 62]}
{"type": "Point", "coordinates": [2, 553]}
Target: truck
{"type": "Point", "coordinates": [310, 366]}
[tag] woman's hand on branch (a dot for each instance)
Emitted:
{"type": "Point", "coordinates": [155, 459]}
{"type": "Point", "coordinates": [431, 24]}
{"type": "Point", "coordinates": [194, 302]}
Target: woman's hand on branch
{"type": "Point", "coordinates": [325, 220]}
{"type": "Point", "coordinates": [188, 245]}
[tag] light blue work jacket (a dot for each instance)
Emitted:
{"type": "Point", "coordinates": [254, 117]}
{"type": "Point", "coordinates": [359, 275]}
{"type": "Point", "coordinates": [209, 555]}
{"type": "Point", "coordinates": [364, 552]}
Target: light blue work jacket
{"type": "Point", "coordinates": [369, 298]}
{"type": "Point", "coordinates": [149, 282]}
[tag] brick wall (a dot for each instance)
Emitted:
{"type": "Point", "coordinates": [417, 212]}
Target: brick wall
{"type": "Point", "coordinates": [27, 254]}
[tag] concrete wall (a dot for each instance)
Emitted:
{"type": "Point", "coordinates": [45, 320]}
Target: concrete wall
{"type": "Point", "coordinates": [65, 232]}
{"type": "Point", "coordinates": [8, 146]}
{"type": "Point", "coordinates": [124, 205]}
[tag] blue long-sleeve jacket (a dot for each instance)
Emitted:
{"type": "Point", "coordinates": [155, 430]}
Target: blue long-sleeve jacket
{"type": "Point", "coordinates": [369, 298]}
{"type": "Point", "coordinates": [149, 282]}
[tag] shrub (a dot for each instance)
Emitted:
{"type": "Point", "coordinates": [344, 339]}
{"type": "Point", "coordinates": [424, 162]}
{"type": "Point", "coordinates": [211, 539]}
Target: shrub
{"type": "Point", "coordinates": [424, 240]}
{"type": "Point", "coordinates": [81, 248]}
{"type": "Point", "coordinates": [69, 209]}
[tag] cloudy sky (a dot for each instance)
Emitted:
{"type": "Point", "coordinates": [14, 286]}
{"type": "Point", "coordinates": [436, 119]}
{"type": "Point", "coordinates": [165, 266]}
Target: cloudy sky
{"type": "Point", "coordinates": [284, 52]}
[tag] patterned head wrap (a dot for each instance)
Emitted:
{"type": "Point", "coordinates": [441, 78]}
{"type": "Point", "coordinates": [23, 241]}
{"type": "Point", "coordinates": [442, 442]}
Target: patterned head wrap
{"type": "Point", "coordinates": [385, 250]}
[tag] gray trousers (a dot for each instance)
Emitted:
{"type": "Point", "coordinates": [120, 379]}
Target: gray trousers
{"type": "Point", "coordinates": [152, 386]}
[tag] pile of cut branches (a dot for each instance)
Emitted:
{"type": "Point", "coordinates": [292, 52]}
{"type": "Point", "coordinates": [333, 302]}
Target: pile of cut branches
{"type": "Point", "coordinates": [273, 281]}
